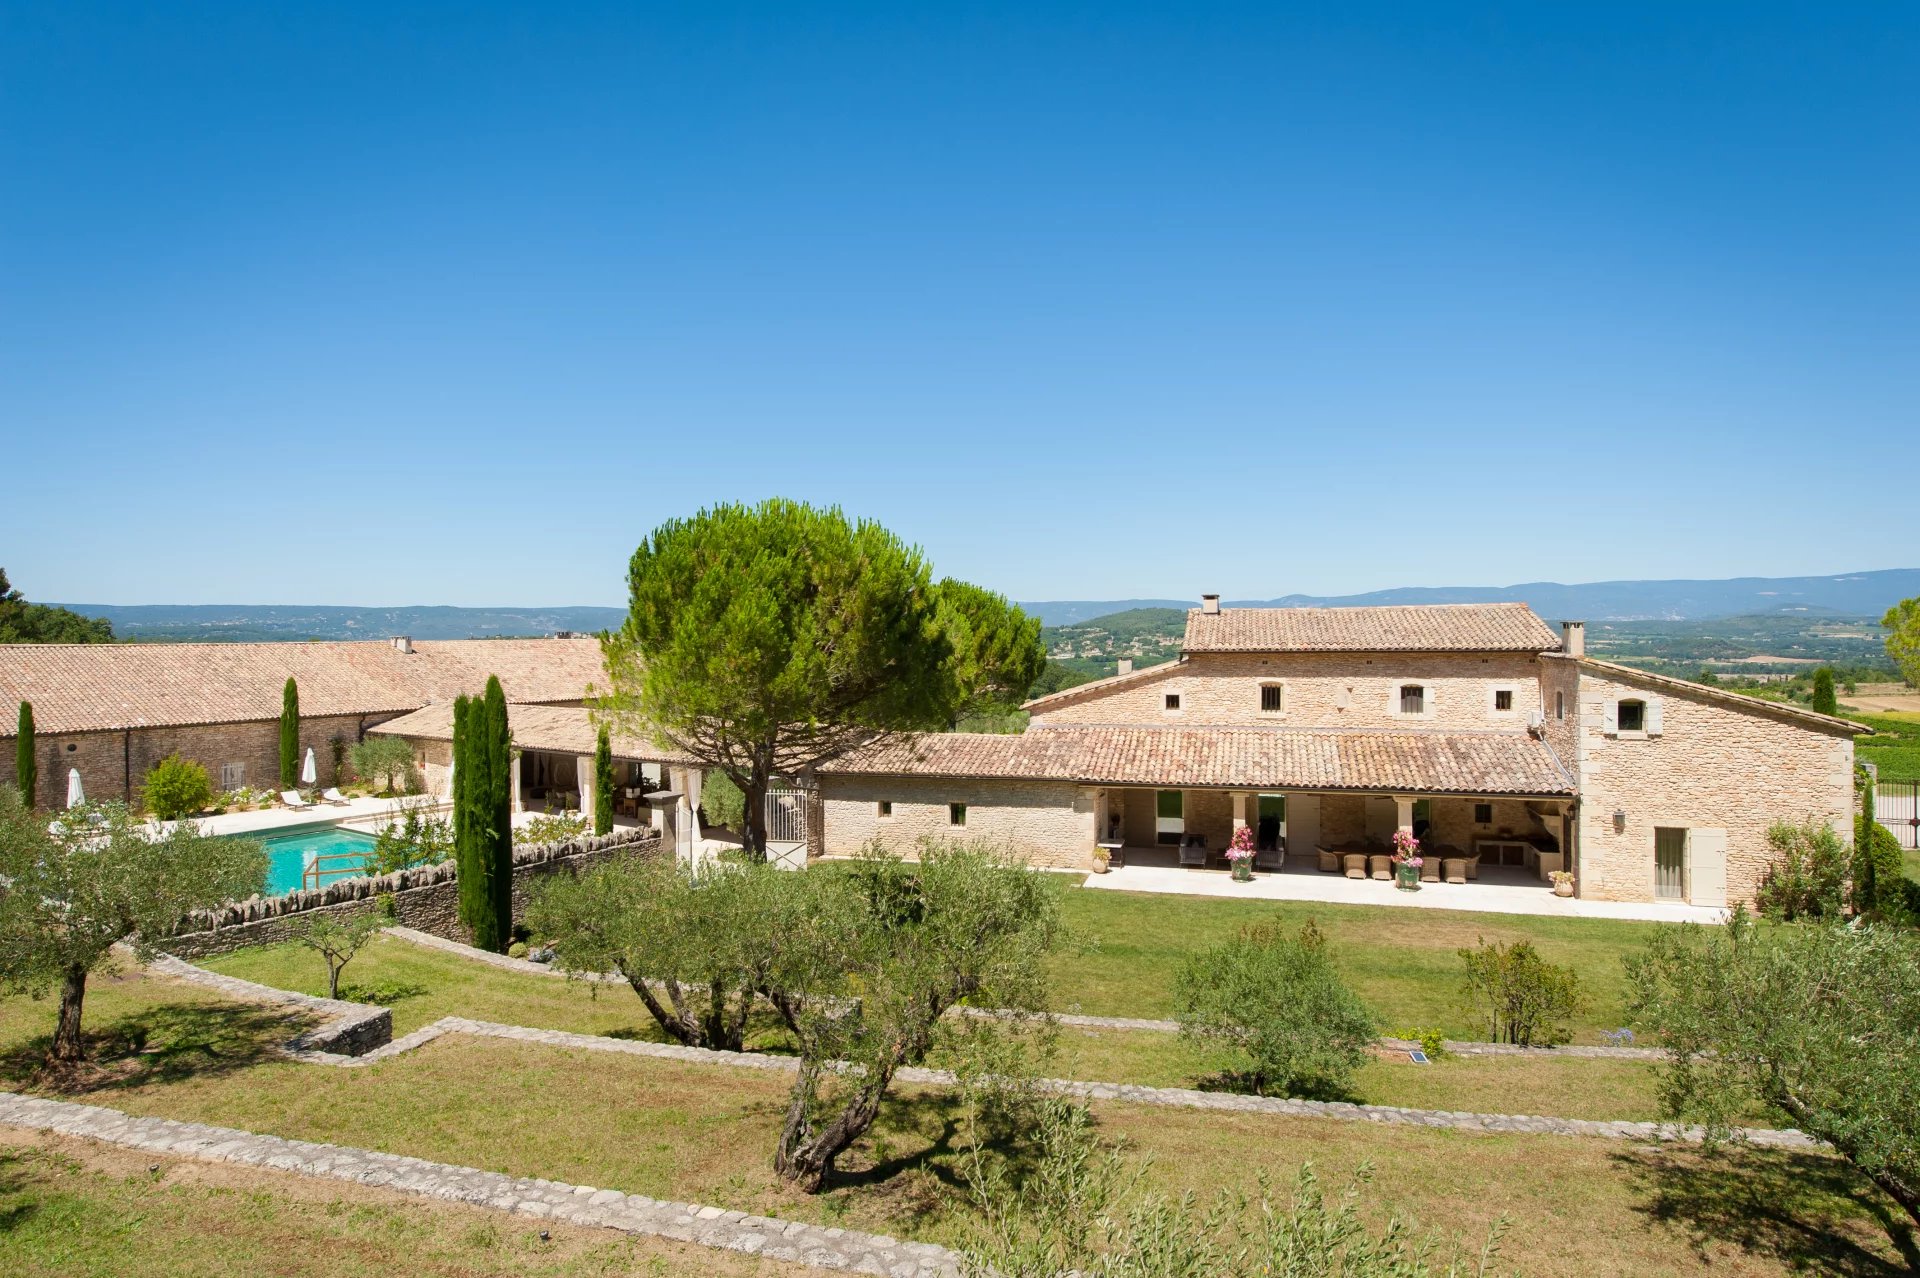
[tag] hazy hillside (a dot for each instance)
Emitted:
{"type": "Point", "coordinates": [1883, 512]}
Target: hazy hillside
{"type": "Point", "coordinates": [235, 623]}
{"type": "Point", "coordinates": [1860, 594]}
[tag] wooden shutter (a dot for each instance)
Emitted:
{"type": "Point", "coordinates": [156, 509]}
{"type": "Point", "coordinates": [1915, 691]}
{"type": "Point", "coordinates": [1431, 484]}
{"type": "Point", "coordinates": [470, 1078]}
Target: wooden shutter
{"type": "Point", "coordinates": [1707, 866]}
{"type": "Point", "coordinates": [1653, 716]}
{"type": "Point", "coordinates": [1610, 718]}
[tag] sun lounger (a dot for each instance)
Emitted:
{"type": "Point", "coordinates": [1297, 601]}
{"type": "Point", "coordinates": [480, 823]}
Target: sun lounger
{"type": "Point", "coordinates": [293, 800]}
{"type": "Point", "coordinates": [332, 795]}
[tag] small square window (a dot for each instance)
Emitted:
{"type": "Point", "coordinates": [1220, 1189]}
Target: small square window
{"type": "Point", "coordinates": [1270, 698]}
{"type": "Point", "coordinates": [1483, 814]}
{"type": "Point", "coordinates": [956, 814]}
{"type": "Point", "coordinates": [1173, 701]}
{"type": "Point", "coordinates": [1633, 716]}
{"type": "Point", "coordinates": [1413, 699]}
{"type": "Point", "coordinates": [1503, 699]}
{"type": "Point", "coordinates": [885, 807]}
{"type": "Point", "coordinates": [233, 775]}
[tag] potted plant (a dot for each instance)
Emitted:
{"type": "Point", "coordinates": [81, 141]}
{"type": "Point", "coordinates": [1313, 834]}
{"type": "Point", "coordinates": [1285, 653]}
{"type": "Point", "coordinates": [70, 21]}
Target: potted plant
{"type": "Point", "coordinates": [1562, 882]}
{"type": "Point", "coordinates": [1240, 854]}
{"type": "Point", "coordinates": [1406, 861]}
{"type": "Point", "coordinates": [1101, 857]}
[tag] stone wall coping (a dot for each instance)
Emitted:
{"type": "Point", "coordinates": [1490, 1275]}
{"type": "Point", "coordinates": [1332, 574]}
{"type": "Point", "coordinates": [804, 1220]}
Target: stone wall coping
{"type": "Point", "coordinates": [707, 1226]}
{"type": "Point", "coordinates": [1073, 1019]}
{"type": "Point", "coordinates": [346, 1030]}
{"type": "Point", "coordinates": [343, 891]}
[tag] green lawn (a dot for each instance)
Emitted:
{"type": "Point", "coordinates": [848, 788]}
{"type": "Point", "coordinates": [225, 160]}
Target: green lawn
{"type": "Point", "coordinates": [439, 984]}
{"type": "Point", "coordinates": [703, 1133]}
{"type": "Point", "coordinates": [1403, 962]}
{"type": "Point", "coordinates": [79, 1210]}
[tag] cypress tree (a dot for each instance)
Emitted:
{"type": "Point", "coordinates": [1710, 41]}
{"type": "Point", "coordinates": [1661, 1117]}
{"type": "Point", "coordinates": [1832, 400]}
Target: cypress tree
{"type": "Point", "coordinates": [469, 829]}
{"type": "Point", "coordinates": [497, 812]}
{"type": "Point", "coordinates": [26, 762]}
{"type": "Point", "coordinates": [1823, 698]}
{"type": "Point", "coordinates": [289, 735]}
{"type": "Point", "coordinates": [602, 783]}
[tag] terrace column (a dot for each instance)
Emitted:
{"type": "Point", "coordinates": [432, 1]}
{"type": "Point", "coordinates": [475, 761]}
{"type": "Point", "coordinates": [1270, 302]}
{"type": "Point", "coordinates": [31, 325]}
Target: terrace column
{"type": "Point", "coordinates": [1239, 809]}
{"type": "Point", "coordinates": [1403, 808]}
{"type": "Point", "coordinates": [513, 782]}
{"type": "Point", "coordinates": [583, 773]}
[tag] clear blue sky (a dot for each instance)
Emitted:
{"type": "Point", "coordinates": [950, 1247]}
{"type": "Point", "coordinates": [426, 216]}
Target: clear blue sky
{"type": "Point", "coordinates": [451, 304]}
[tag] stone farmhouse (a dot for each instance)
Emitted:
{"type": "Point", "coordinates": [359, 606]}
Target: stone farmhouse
{"type": "Point", "coordinates": [1325, 730]}
{"type": "Point", "coordinates": [1473, 725]}
{"type": "Point", "coordinates": [114, 710]}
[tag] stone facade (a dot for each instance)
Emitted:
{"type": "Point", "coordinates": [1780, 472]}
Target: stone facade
{"type": "Point", "coordinates": [1717, 771]}
{"type": "Point", "coordinates": [1317, 690]}
{"type": "Point", "coordinates": [113, 764]}
{"type": "Point", "coordinates": [1048, 822]}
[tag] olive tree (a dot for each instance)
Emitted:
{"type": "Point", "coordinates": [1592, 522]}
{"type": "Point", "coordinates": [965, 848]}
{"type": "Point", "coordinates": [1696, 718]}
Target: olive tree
{"type": "Point", "coordinates": [72, 888]}
{"type": "Point", "coordinates": [695, 947]}
{"type": "Point", "coordinates": [337, 940]}
{"type": "Point", "coordinates": [386, 757]}
{"type": "Point", "coordinates": [764, 641]}
{"type": "Point", "coordinates": [1817, 1020]}
{"type": "Point", "coordinates": [875, 956]}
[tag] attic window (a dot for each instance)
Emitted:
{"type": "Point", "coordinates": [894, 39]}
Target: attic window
{"type": "Point", "coordinates": [1173, 702]}
{"type": "Point", "coordinates": [1633, 716]}
{"type": "Point", "coordinates": [1413, 699]}
{"type": "Point", "coordinates": [1503, 699]}
{"type": "Point", "coordinates": [1271, 698]}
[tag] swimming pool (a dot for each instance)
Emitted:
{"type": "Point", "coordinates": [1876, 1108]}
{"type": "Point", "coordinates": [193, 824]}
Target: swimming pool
{"type": "Point", "coordinates": [289, 851]}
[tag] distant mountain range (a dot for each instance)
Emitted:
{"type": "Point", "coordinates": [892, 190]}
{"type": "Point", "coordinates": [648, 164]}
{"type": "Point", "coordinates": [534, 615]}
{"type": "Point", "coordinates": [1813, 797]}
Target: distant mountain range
{"type": "Point", "coordinates": [237, 623]}
{"type": "Point", "coordinates": [1857, 594]}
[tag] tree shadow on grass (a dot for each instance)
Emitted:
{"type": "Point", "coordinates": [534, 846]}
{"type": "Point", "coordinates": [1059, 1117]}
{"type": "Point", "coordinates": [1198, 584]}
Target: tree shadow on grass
{"type": "Point", "coordinates": [165, 1044]}
{"type": "Point", "coordinates": [382, 993]}
{"type": "Point", "coordinates": [1244, 1084]}
{"type": "Point", "coordinates": [16, 1208]}
{"type": "Point", "coordinates": [1778, 1204]}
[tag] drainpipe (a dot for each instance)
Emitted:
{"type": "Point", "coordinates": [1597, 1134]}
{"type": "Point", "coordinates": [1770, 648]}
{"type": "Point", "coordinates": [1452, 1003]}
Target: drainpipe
{"type": "Point", "coordinates": [126, 766]}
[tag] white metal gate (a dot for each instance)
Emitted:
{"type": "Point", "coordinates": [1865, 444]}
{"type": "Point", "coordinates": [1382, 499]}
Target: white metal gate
{"type": "Point", "coordinates": [786, 815]}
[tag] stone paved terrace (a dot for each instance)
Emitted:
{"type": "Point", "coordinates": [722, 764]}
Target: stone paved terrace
{"type": "Point", "coordinates": [826, 1248]}
{"type": "Point", "coordinates": [1517, 895]}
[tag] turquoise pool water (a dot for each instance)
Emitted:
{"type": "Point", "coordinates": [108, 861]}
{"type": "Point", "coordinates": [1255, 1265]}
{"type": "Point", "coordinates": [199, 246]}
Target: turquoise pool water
{"type": "Point", "coordinates": [289, 851]}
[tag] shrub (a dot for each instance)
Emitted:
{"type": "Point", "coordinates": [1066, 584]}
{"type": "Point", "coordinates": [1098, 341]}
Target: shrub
{"type": "Point", "coordinates": [1520, 997]}
{"type": "Point", "coordinates": [1808, 876]}
{"type": "Point", "coordinates": [1823, 698]}
{"type": "Point", "coordinates": [417, 837]}
{"type": "Point", "coordinates": [176, 788]}
{"type": "Point", "coordinates": [551, 827]}
{"type": "Point", "coordinates": [517, 950]}
{"type": "Point", "coordinates": [1276, 1001]}
{"type": "Point", "coordinates": [721, 802]}
{"type": "Point", "coordinates": [1880, 884]}
{"type": "Point", "coordinates": [1083, 1207]}
{"type": "Point", "coordinates": [1431, 1040]}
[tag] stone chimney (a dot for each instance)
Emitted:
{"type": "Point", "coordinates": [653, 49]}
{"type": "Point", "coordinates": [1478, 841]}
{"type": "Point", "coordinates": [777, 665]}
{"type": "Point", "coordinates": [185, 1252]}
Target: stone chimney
{"type": "Point", "coordinates": [1126, 665]}
{"type": "Point", "coordinates": [403, 643]}
{"type": "Point", "coordinates": [1210, 604]}
{"type": "Point", "coordinates": [1573, 638]}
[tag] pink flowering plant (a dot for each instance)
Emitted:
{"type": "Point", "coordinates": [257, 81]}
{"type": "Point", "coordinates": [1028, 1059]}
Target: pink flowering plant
{"type": "Point", "coordinates": [1241, 848]}
{"type": "Point", "coordinates": [1406, 848]}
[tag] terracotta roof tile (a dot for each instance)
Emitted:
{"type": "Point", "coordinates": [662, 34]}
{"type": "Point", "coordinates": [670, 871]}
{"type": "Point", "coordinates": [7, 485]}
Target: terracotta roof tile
{"type": "Point", "coordinates": [1497, 627]}
{"type": "Point", "coordinates": [100, 687]}
{"type": "Point", "coordinates": [1254, 758]}
{"type": "Point", "coordinates": [560, 729]}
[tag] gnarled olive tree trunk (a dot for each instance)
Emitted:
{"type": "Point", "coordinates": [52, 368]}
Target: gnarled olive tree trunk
{"type": "Point", "coordinates": [718, 1022]}
{"type": "Point", "coordinates": [67, 1043]}
{"type": "Point", "coordinates": [807, 1148]}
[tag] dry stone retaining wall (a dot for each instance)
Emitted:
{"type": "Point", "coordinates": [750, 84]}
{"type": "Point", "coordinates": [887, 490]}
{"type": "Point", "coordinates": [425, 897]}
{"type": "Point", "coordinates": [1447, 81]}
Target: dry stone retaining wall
{"type": "Point", "coordinates": [427, 898]}
{"type": "Point", "coordinates": [787, 1240]}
